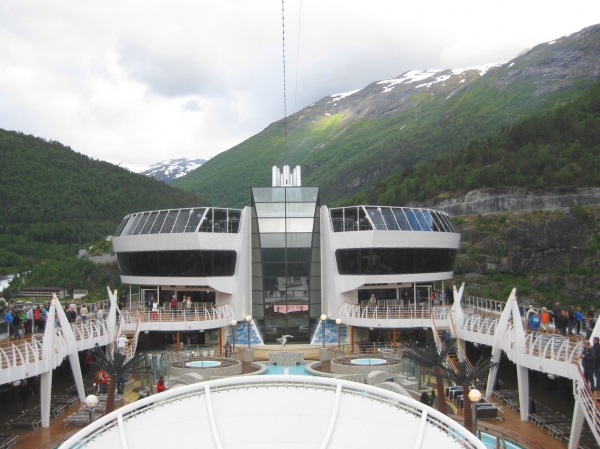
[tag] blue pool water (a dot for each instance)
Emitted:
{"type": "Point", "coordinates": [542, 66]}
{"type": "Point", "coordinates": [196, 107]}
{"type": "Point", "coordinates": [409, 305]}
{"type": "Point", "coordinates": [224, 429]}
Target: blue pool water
{"type": "Point", "coordinates": [490, 442]}
{"type": "Point", "coordinates": [369, 361]}
{"type": "Point", "coordinates": [298, 370]}
{"type": "Point", "coordinates": [203, 364]}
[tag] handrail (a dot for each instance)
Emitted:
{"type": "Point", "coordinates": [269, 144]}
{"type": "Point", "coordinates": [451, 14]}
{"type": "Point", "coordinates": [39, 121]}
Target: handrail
{"type": "Point", "coordinates": [393, 312]}
{"type": "Point", "coordinates": [584, 395]}
{"type": "Point", "coordinates": [440, 345]}
{"type": "Point", "coordinates": [179, 316]}
{"type": "Point", "coordinates": [462, 355]}
{"type": "Point", "coordinates": [133, 346]}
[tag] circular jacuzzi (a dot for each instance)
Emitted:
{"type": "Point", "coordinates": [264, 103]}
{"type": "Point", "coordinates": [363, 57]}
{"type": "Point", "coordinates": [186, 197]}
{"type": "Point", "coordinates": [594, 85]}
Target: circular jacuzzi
{"type": "Point", "coordinates": [203, 364]}
{"type": "Point", "coordinates": [369, 361]}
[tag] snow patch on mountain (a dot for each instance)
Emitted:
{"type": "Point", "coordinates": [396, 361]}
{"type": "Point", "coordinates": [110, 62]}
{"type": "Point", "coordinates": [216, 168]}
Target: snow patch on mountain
{"type": "Point", "coordinates": [167, 170]}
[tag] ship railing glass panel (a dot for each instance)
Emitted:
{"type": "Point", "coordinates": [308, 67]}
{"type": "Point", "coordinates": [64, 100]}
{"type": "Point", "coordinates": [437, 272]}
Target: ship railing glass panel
{"type": "Point", "coordinates": [386, 218]}
{"type": "Point", "coordinates": [173, 221]}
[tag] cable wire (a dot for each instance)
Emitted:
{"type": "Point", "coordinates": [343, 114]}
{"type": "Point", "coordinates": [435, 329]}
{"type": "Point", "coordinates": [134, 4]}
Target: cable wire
{"type": "Point", "coordinates": [284, 99]}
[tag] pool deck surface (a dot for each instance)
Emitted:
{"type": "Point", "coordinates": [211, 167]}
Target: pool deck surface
{"type": "Point", "coordinates": [523, 432]}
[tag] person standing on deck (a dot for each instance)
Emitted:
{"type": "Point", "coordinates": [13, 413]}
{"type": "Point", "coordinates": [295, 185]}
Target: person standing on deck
{"type": "Point", "coordinates": [562, 323]}
{"type": "Point", "coordinates": [30, 317]}
{"type": "Point", "coordinates": [588, 361]}
{"type": "Point", "coordinates": [556, 312]}
{"type": "Point", "coordinates": [534, 323]}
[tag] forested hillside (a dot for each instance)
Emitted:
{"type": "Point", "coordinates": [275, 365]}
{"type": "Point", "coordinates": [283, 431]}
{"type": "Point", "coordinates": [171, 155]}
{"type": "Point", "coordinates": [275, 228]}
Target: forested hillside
{"type": "Point", "coordinates": [347, 143]}
{"type": "Point", "coordinates": [560, 148]}
{"type": "Point", "coordinates": [54, 201]}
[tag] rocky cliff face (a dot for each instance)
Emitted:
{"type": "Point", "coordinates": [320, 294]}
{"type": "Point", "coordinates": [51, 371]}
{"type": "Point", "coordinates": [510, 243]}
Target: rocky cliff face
{"type": "Point", "coordinates": [487, 201]}
{"type": "Point", "coordinates": [557, 252]}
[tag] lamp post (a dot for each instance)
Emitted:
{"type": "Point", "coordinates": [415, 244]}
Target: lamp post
{"type": "Point", "coordinates": [92, 401]}
{"type": "Point", "coordinates": [475, 397]}
{"type": "Point", "coordinates": [233, 325]}
{"type": "Point", "coordinates": [323, 318]}
{"type": "Point", "coordinates": [338, 322]}
{"type": "Point", "coordinates": [248, 318]}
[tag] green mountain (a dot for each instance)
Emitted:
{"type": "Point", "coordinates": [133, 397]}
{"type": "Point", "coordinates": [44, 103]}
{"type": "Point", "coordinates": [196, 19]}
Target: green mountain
{"type": "Point", "coordinates": [54, 201]}
{"type": "Point", "coordinates": [348, 143]}
{"type": "Point", "coordinates": [557, 149]}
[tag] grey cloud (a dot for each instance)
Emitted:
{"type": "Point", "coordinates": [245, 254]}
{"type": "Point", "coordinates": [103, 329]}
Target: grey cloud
{"type": "Point", "coordinates": [169, 74]}
{"type": "Point", "coordinates": [192, 105]}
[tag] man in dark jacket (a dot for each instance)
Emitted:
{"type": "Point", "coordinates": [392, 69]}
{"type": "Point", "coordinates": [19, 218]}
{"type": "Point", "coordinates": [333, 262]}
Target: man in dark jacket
{"type": "Point", "coordinates": [588, 361]}
{"type": "Point", "coordinates": [556, 312]}
{"type": "Point", "coordinates": [562, 323]}
{"type": "Point", "coordinates": [16, 324]}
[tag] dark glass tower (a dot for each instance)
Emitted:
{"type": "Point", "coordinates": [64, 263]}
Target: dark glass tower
{"type": "Point", "coordinates": [286, 261]}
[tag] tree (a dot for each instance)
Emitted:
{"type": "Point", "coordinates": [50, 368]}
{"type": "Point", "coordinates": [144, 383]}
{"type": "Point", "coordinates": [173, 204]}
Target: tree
{"type": "Point", "coordinates": [465, 376]}
{"type": "Point", "coordinates": [434, 359]}
{"type": "Point", "coordinates": [115, 365]}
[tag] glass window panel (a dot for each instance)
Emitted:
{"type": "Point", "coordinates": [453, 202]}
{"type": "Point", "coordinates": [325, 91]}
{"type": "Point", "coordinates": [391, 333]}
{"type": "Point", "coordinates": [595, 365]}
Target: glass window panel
{"type": "Point", "coordinates": [390, 221]}
{"type": "Point", "coordinates": [414, 223]}
{"type": "Point", "coordinates": [430, 220]}
{"type": "Point", "coordinates": [270, 209]}
{"type": "Point", "coordinates": [194, 218]}
{"type": "Point", "coordinates": [298, 269]}
{"type": "Point", "coordinates": [375, 261]}
{"type": "Point", "coordinates": [315, 269]}
{"type": "Point", "coordinates": [299, 224]}
{"type": "Point", "coordinates": [181, 221]}
{"type": "Point", "coordinates": [315, 282]}
{"type": "Point", "coordinates": [178, 263]}
{"type": "Point", "coordinates": [258, 311]}
{"type": "Point", "coordinates": [141, 223]}
{"type": "Point", "coordinates": [257, 296]}
{"type": "Point", "coordinates": [401, 218]}
{"type": "Point", "coordinates": [256, 283]}
{"type": "Point", "coordinates": [271, 225]}
{"type": "Point", "coordinates": [256, 255]}
{"type": "Point", "coordinates": [299, 254]}
{"type": "Point", "coordinates": [422, 221]}
{"type": "Point", "coordinates": [299, 240]}
{"type": "Point", "coordinates": [272, 240]}
{"type": "Point", "coordinates": [448, 223]}
{"type": "Point", "coordinates": [300, 210]}
{"type": "Point", "coordinates": [256, 269]}
{"type": "Point", "coordinates": [220, 220]}
{"type": "Point", "coordinates": [149, 222]}
{"type": "Point", "coordinates": [376, 218]}
{"type": "Point", "coordinates": [122, 225]}
{"type": "Point", "coordinates": [337, 219]}
{"type": "Point", "coordinates": [363, 222]}
{"type": "Point", "coordinates": [255, 241]}
{"type": "Point", "coordinates": [351, 219]}
{"type": "Point", "coordinates": [438, 221]}
{"type": "Point", "coordinates": [302, 194]}
{"type": "Point", "coordinates": [234, 219]}
{"type": "Point", "coordinates": [167, 226]}
{"type": "Point", "coordinates": [273, 255]}
{"type": "Point", "coordinates": [133, 222]}
{"type": "Point", "coordinates": [317, 241]}
{"type": "Point", "coordinates": [160, 219]}
{"type": "Point", "coordinates": [274, 269]}
{"type": "Point", "coordinates": [268, 194]}
{"type": "Point", "coordinates": [316, 256]}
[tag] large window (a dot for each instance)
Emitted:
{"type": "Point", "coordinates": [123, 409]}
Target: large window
{"type": "Point", "coordinates": [178, 263]}
{"type": "Point", "coordinates": [394, 260]}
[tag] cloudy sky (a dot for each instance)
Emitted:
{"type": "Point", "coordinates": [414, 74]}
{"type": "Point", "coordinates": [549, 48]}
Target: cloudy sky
{"type": "Point", "coordinates": [141, 81]}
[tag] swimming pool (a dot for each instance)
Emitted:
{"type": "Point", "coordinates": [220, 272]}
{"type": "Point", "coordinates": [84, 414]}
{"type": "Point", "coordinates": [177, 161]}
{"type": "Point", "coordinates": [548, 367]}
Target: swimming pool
{"type": "Point", "coordinates": [369, 361]}
{"type": "Point", "coordinates": [299, 370]}
{"type": "Point", "coordinates": [490, 442]}
{"type": "Point", "coordinates": [203, 364]}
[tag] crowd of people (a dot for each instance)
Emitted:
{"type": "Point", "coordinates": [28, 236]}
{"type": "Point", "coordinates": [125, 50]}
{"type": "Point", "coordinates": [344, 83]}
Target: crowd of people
{"type": "Point", "coordinates": [567, 322]}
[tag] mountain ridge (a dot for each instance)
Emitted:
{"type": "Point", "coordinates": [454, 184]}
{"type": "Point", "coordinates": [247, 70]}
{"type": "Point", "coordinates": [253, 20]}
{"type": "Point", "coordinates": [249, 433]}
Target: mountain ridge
{"type": "Point", "coordinates": [347, 143]}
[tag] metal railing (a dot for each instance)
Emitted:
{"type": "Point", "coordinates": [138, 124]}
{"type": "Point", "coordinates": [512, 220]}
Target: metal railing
{"type": "Point", "coordinates": [553, 347]}
{"type": "Point", "coordinates": [177, 316]}
{"type": "Point", "coordinates": [584, 395]}
{"type": "Point", "coordinates": [431, 417]}
{"type": "Point", "coordinates": [393, 312]}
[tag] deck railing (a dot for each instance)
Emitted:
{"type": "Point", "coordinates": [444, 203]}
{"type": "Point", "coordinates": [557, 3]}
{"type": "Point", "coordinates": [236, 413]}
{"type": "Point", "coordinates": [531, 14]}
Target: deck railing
{"type": "Point", "coordinates": [393, 312]}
